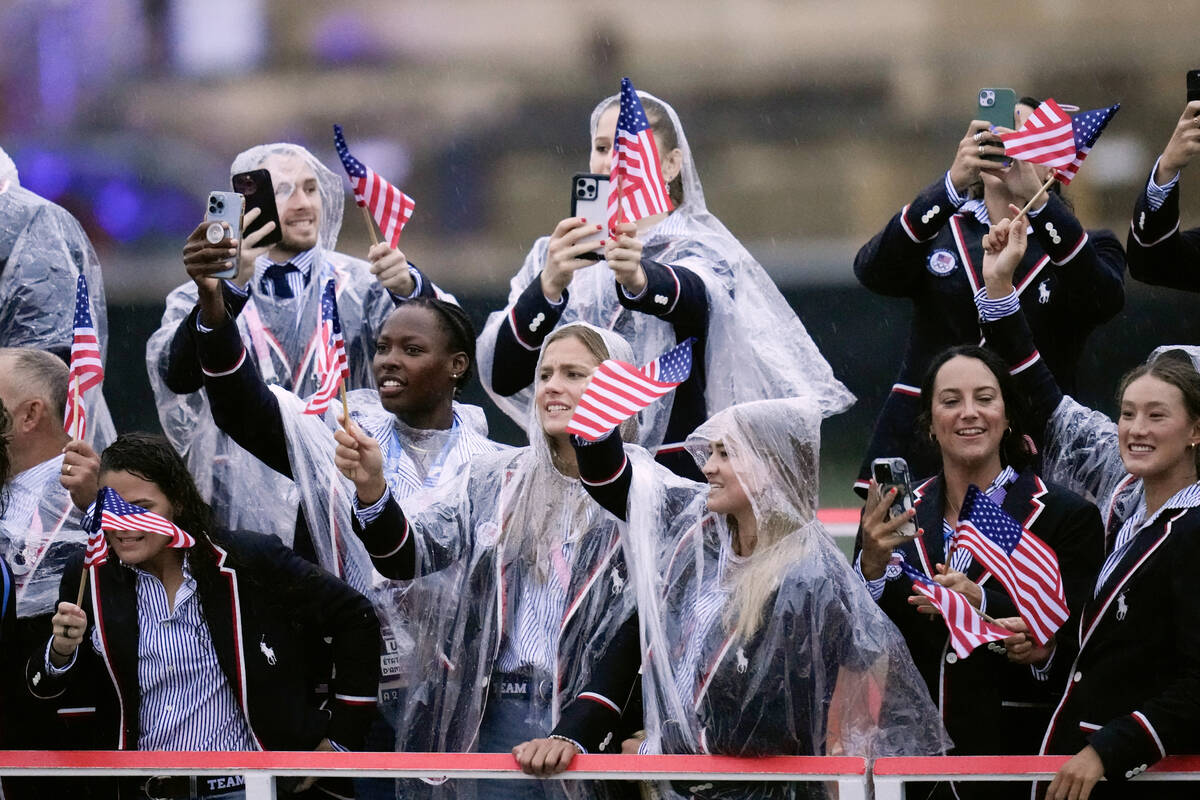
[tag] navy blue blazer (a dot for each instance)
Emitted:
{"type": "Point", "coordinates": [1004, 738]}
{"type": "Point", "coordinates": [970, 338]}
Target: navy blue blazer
{"type": "Point", "coordinates": [1069, 281]}
{"type": "Point", "coordinates": [1159, 253]}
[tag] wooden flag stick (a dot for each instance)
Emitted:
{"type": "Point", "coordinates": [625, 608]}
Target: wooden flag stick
{"type": "Point", "coordinates": [345, 406]}
{"type": "Point", "coordinates": [78, 401]}
{"type": "Point", "coordinates": [1045, 188]}
{"type": "Point", "coordinates": [370, 226]}
{"type": "Point", "coordinates": [82, 585]}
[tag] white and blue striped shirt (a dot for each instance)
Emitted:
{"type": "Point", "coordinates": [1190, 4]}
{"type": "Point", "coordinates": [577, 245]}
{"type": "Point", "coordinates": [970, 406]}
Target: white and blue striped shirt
{"type": "Point", "coordinates": [187, 702]}
{"type": "Point", "coordinates": [1187, 497]}
{"type": "Point", "coordinates": [1157, 195]}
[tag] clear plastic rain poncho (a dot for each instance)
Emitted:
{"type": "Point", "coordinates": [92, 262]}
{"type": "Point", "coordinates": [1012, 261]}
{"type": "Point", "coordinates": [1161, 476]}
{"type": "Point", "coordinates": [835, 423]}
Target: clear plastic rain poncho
{"type": "Point", "coordinates": [757, 347]}
{"type": "Point", "coordinates": [43, 250]}
{"type": "Point", "coordinates": [39, 532]}
{"type": "Point", "coordinates": [281, 337]}
{"type": "Point", "coordinates": [781, 652]}
{"type": "Point", "coordinates": [1082, 453]}
{"type": "Point", "coordinates": [492, 526]}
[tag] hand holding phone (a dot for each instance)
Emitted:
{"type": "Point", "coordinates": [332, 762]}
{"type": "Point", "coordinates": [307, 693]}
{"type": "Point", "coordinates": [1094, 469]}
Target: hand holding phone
{"type": "Point", "coordinates": [998, 107]}
{"type": "Point", "coordinates": [892, 473]}
{"type": "Point", "coordinates": [589, 200]}
{"type": "Point", "coordinates": [256, 187]}
{"type": "Point", "coordinates": [1184, 144]}
{"type": "Point", "coordinates": [224, 209]}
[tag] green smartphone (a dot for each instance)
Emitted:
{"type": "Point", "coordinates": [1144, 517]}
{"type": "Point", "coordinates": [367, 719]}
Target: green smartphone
{"type": "Point", "coordinates": [997, 106]}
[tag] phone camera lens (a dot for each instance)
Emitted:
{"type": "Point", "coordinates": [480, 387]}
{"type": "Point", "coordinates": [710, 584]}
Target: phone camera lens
{"type": "Point", "coordinates": [220, 206]}
{"type": "Point", "coordinates": [212, 209]}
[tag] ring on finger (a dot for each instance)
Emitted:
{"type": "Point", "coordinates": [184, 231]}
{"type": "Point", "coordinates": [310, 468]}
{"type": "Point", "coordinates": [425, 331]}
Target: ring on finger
{"type": "Point", "coordinates": [978, 136]}
{"type": "Point", "coordinates": [980, 150]}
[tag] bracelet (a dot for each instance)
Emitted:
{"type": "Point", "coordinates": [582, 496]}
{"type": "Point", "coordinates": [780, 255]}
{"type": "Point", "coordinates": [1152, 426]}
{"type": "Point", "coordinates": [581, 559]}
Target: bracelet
{"type": "Point", "coordinates": [60, 655]}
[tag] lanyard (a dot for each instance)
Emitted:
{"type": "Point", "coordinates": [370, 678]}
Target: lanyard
{"type": "Point", "coordinates": [404, 475]}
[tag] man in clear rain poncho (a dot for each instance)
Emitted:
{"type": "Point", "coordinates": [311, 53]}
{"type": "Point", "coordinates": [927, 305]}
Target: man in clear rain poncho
{"type": "Point", "coordinates": [758, 639]}
{"type": "Point", "coordinates": [750, 343]}
{"type": "Point", "coordinates": [275, 298]}
{"type": "Point", "coordinates": [43, 251]}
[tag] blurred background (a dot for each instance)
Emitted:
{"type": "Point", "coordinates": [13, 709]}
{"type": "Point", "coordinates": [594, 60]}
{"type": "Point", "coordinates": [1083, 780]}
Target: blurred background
{"type": "Point", "coordinates": [812, 122]}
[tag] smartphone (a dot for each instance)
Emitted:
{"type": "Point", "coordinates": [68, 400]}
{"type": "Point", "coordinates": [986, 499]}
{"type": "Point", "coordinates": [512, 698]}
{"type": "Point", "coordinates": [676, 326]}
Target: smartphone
{"type": "Point", "coordinates": [589, 199]}
{"type": "Point", "coordinates": [225, 207]}
{"type": "Point", "coordinates": [998, 106]}
{"type": "Point", "coordinates": [1193, 85]}
{"type": "Point", "coordinates": [259, 192]}
{"type": "Point", "coordinates": [892, 473]}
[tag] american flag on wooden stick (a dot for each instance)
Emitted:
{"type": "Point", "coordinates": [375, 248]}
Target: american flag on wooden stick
{"type": "Point", "coordinates": [332, 364]}
{"type": "Point", "coordinates": [638, 186]}
{"type": "Point", "coordinates": [968, 629]}
{"type": "Point", "coordinates": [115, 513]}
{"type": "Point", "coordinates": [618, 390]}
{"type": "Point", "coordinates": [390, 207]}
{"type": "Point", "coordinates": [87, 369]}
{"type": "Point", "coordinates": [1044, 138]}
{"type": "Point", "coordinates": [1086, 127]}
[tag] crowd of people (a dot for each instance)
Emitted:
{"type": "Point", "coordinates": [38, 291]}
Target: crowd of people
{"type": "Point", "coordinates": [382, 575]}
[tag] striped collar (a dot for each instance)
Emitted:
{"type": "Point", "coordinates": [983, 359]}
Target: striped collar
{"type": "Point", "coordinates": [303, 262]}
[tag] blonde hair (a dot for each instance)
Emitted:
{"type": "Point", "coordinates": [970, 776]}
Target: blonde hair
{"type": "Point", "coordinates": [594, 343]}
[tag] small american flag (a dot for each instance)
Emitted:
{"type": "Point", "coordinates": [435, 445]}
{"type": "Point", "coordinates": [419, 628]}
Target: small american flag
{"type": "Point", "coordinates": [1087, 127]}
{"type": "Point", "coordinates": [618, 390]}
{"type": "Point", "coordinates": [97, 545]}
{"type": "Point", "coordinates": [968, 629]}
{"type": "Point", "coordinates": [639, 189]}
{"type": "Point", "coordinates": [1044, 138]}
{"type": "Point", "coordinates": [1023, 563]}
{"type": "Point", "coordinates": [86, 368]}
{"type": "Point", "coordinates": [332, 365]}
{"type": "Point", "coordinates": [117, 514]}
{"type": "Point", "coordinates": [390, 207]}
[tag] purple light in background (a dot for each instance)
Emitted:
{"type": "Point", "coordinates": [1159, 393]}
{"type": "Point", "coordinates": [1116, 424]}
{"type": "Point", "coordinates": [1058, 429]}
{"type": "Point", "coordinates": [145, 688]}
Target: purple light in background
{"type": "Point", "coordinates": [342, 37]}
{"type": "Point", "coordinates": [118, 210]}
{"type": "Point", "coordinates": [44, 173]}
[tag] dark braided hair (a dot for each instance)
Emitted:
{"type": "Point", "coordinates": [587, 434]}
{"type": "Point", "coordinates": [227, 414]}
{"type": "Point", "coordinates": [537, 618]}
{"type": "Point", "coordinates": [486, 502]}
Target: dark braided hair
{"type": "Point", "coordinates": [458, 329]}
{"type": "Point", "coordinates": [150, 457]}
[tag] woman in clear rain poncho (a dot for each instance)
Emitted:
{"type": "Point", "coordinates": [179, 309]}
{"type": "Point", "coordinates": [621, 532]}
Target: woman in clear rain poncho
{"type": "Point", "coordinates": [43, 251]}
{"type": "Point", "coordinates": [1132, 672]}
{"type": "Point", "coordinates": [543, 581]}
{"type": "Point", "coordinates": [281, 333]}
{"type": "Point", "coordinates": [679, 276]}
{"type": "Point", "coordinates": [758, 639]}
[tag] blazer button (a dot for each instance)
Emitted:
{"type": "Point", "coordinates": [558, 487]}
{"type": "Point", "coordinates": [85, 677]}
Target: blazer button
{"type": "Point", "coordinates": [1129, 773]}
{"type": "Point", "coordinates": [1077, 677]}
{"type": "Point", "coordinates": [951, 658]}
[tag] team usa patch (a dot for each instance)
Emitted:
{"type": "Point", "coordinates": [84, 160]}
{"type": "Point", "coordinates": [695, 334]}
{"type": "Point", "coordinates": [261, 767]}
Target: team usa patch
{"type": "Point", "coordinates": [941, 262]}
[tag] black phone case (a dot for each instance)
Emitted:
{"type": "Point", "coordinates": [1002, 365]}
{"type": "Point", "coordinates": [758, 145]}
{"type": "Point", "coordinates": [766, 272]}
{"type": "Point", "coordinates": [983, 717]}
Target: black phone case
{"type": "Point", "coordinates": [256, 187]}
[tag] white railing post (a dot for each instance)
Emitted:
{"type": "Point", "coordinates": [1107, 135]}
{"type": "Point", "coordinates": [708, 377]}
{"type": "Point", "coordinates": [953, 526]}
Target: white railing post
{"type": "Point", "coordinates": [853, 788]}
{"type": "Point", "coordinates": [886, 788]}
{"type": "Point", "coordinates": [260, 786]}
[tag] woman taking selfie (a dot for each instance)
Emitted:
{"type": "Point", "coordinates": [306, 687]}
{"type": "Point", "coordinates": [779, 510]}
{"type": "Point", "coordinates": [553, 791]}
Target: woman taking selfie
{"type": "Point", "coordinates": [661, 280]}
{"type": "Point", "coordinates": [973, 415]}
{"type": "Point", "coordinates": [1132, 667]}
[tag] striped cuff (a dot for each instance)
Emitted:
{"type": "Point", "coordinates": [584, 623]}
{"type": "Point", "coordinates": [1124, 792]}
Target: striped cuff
{"type": "Point", "coordinates": [240, 291]}
{"type": "Point", "coordinates": [368, 514]}
{"type": "Point", "coordinates": [1157, 195]}
{"type": "Point", "coordinates": [876, 586]}
{"type": "Point", "coordinates": [417, 286]}
{"type": "Point", "coordinates": [54, 671]}
{"type": "Point", "coordinates": [222, 373]}
{"type": "Point", "coordinates": [992, 310]}
{"type": "Point", "coordinates": [1041, 672]}
{"type": "Point", "coordinates": [952, 194]}
{"type": "Point", "coordinates": [337, 748]}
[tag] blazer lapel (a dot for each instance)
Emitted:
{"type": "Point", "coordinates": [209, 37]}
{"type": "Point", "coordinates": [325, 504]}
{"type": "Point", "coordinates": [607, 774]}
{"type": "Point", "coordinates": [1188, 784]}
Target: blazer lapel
{"type": "Point", "coordinates": [930, 546]}
{"type": "Point", "coordinates": [113, 588]}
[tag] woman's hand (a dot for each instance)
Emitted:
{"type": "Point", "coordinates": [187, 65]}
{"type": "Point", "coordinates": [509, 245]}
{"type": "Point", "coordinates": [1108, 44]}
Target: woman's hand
{"type": "Point", "coordinates": [390, 268]}
{"type": "Point", "coordinates": [563, 255]}
{"type": "Point", "coordinates": [359, 458]}
{"type": "Point", "coordinates": [1020, 648]}
{"type": "Point", "coordinates": [1003, 249]}
{"type": "Point", "coordinates": [978, 141]}
{"type": "Point", "coordinates": [624, 257]}
{"type": "Point", "coordinates": [879, 537]}
{"type": "Point", "coordinates": [69, 624]}
{"type": "Point", "coordinates": [1183, 146]}
{"type": "Point", "coordinates": [956, 581]}
{"type": "Point", "coordinates": [1076, 778]}
{"type": "Point", "coordinates": [80, 473]}
{"type": "Point", "coordinates": [545, 757]}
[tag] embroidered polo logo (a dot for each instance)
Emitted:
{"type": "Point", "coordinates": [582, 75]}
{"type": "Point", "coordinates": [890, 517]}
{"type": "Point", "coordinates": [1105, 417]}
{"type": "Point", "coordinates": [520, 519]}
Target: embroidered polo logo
{"type": "Point", "coordinates": [618, 581]}
{"type": "Point", "coordinates": [661, 299]}
{"type": "Point", "coordinates": [1122, 608]}
{"type": "Point", "coordinates": [941, 262]}
{"type": "Point", "coordinates": [537, 321]}
{"type": "Point", "coordinates": [1044, 291]}
{"type": "Point", "coordinates": [266, 650]}
{"type": "Point", "coordinates": [1054, 237]}
{"type": "Point", "coordinates": [743, 663]}
{"type": "Point", "coordinates": [930, 214]}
